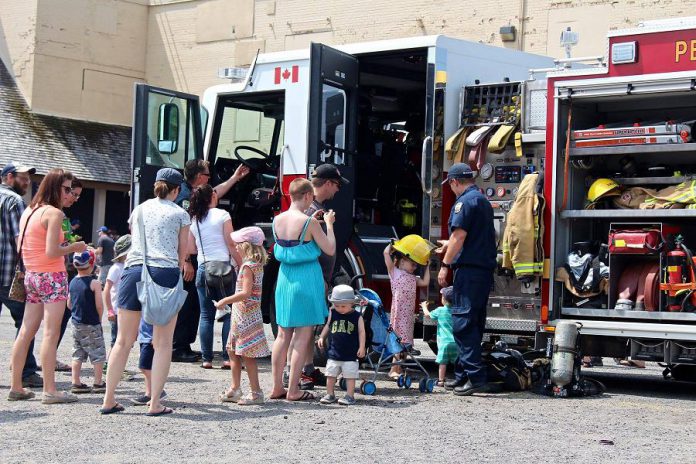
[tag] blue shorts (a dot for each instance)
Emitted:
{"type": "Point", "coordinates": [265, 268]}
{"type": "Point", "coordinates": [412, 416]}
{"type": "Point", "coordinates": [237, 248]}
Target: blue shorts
{"type": "Point", "coordinates": [128, 292]}
{"type": "Point", "coordinates": [147, 352]}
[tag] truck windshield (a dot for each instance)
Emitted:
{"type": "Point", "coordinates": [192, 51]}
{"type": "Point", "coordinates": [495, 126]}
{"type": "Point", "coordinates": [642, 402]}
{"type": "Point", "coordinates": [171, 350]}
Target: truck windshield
{"type": "Point", "coordinates": [249, 128]}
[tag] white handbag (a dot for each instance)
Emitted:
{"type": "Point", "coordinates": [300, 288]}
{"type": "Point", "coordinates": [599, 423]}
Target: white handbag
{"type": "Point", "coordinates": [160, 304]}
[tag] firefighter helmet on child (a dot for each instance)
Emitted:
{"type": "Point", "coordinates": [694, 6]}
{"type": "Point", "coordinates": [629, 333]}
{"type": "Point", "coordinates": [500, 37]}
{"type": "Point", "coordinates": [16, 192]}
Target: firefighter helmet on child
{"type": "Point", "coordinates": [415, 248]}
{"type": "Point", "coordinates": [601, 188]}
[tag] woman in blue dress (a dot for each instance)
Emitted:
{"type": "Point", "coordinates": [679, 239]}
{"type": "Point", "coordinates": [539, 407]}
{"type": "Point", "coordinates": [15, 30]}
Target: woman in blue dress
{"type": "Point", "coordinates": [299, 298]}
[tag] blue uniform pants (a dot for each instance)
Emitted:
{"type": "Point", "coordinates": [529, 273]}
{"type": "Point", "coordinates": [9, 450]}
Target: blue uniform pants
{"type": "Point", "coordinates": [471, 288]}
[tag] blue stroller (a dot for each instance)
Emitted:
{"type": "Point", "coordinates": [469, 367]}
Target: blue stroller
{"type": "Point", "coordinates": [383, 344]}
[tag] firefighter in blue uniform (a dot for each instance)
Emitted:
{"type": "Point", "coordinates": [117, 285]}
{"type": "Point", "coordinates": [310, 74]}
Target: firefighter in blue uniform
{"type": "Point", "coordinates": [471, 253]}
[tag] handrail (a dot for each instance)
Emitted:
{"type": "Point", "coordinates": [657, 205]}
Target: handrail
{"type": "Point", "coordinates": [280, 174]}
{"type": "Point", "coordinates": [427, 190]}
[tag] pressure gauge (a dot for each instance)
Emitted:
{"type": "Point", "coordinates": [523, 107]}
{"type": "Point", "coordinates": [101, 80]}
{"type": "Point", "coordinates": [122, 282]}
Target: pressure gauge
{"type": "Point", "coordinates": [490, 191]}
{"type": "Point", "coordinates": [514, 191]}
{"type": "Point", "coordinates": [487, 171]}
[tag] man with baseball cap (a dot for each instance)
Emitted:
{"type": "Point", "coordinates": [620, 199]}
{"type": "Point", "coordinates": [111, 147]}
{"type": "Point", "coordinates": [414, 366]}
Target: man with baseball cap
{"type": "Point", "coordinates": [15, 184]}
{"type": "Point", "coordinates": [471, 254]}
{"type": "Point", "coordinates": [105, 253]}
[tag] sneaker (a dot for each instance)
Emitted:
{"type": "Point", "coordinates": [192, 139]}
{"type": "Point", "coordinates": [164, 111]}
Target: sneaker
{"type": "Point", "coordinates": [58, 398]}
{"type": "Point", "coordinates": [286, 378]}
{"type": "Point", "coordinates": [328, 399]}
{"type": "Point", "coordinates": [306, 382]}
{"type": "Point", "coordinates": [231, 397]}
{"type": "Point", "coordinates": [163, 396]}
{"type": "Point", "coordinates": [318, 378]}
{"type": "Point", "coordinates": [81, 388]}
{"type": "Point", "coordinates": [220, 313]}
{"type": "Point", "coordinates": [33, 381]}
{"type": "Point", "coordinates": [347, 401]}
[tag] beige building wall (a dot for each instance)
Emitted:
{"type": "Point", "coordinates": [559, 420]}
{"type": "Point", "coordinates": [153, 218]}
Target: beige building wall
{"type": "Point", "coordinates": [80, 58]}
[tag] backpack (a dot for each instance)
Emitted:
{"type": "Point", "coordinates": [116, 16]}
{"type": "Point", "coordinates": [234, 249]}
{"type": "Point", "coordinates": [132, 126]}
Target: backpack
{"type": "Point", "coordinates": [507, 369]}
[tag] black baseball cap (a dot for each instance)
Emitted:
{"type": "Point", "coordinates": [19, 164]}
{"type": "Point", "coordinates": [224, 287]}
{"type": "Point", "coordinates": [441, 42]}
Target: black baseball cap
{"type": "Point", "coordinates": [459, 171]}
{"type": "Point", "coordinates": [11, 168]}
{"type": "Point", "coordinates": [329, 172]}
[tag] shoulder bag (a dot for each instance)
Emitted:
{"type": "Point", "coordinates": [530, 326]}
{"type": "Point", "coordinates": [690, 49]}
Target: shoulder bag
{"type": "Point", "coordinates": [17, 290]}
{"type": "Point", "coordinates": [160, 304]}
{"type": "Point", "coordinates": [218, 275]}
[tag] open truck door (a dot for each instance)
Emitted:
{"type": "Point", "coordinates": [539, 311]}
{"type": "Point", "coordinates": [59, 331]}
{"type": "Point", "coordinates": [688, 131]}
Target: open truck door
{"type": "Point", "coordinates": [167, 132]}
{"type": "Point", "coordinates": [332, 126]}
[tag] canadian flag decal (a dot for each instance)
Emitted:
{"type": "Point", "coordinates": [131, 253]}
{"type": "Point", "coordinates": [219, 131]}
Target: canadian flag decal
{"type": "Point", "coordinates": [285, 74]}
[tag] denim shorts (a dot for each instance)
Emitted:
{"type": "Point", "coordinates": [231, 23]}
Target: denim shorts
{"type": "Point", "coordinates": [147, 352]}
{"type": "Point", "coordinates": [128, 292]}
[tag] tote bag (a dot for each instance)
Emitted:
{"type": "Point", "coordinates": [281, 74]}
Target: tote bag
{"type": "Point", "coordinates": [160, 304]}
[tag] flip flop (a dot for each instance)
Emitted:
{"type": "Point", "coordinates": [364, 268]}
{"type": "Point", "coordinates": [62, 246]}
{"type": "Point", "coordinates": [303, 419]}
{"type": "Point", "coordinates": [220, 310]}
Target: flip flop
{"type": "Point", "coordinates": [282, 396]}
{"type": "Point", "coordinates": [306, 396]}
{"type": "Point", "coordinates": [114, 409]}
{"type": "Point", "coordinates": [164, 411]}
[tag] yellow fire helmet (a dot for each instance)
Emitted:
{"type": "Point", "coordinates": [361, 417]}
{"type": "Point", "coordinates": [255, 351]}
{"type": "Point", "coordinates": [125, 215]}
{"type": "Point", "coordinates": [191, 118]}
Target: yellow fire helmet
{"type": "Point", "coordinates": [602, 188]}
{"type": "Point", "coordinates": [414, 247]}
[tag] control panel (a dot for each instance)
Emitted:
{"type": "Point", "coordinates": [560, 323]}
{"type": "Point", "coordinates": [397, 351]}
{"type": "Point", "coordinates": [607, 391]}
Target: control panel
{"type": "Point", "coordinates": [500, 177]}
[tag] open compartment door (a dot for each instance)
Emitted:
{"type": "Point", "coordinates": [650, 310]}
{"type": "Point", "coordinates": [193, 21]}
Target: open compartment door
{"type": "Point", "coordinates": [167, 132]}
{"type": "Point", "coordinates": [332, 126]}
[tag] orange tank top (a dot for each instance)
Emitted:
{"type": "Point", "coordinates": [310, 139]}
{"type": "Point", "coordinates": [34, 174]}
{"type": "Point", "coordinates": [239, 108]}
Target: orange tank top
{"type": "Point", "coordinates": [34, 246]}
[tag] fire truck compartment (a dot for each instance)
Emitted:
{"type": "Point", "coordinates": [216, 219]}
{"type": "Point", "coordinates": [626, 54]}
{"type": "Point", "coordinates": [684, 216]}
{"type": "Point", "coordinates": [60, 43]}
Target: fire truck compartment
{"type": "Point", "coordinates": [652, 163]}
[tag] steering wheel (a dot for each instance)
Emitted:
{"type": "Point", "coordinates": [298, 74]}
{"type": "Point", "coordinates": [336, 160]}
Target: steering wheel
{"type": "Point", "coordinates": [266, 162]}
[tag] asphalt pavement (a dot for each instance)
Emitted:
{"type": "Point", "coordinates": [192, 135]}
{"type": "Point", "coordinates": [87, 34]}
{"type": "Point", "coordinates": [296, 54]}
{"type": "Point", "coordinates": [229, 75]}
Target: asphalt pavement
{"type": "Point", "coordinates": [641, 419]}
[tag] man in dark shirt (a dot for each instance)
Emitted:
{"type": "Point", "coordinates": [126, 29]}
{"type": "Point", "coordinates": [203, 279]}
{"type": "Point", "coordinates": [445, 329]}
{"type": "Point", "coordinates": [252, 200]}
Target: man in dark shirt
{"type": "Point", "coordinates": [104, 253]}
{"type": "Point", "coordinates": [196, 173]}
{"type": "Point", "coordinates": [471, 253]}
{"type": "Point", "coordinates": [15, 183]}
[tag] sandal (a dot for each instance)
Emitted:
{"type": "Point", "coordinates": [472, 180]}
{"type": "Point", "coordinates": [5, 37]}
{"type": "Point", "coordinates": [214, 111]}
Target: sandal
{"type": "Point", "coordinates": [306, 396]}
{"type": "Point", "coordinates": [58, 398]}
{"type": "Point", "coordinates": [225, 366]}
{"type": "Point", "coordinates": [252, 398]}
{"type": "Point", "coordinates": [99, 387]}
{"type": "Point", "coordinates": [163, 412]}
{"type": "Point", "coordinates": [62, 367]}
{"type": "Point", "coordinates": [207, 365]}
{"type": "Point", "coordinates": [20, 396]}
{"type": "Point", "coordinates": [114, 409]}
{"type": "Point", "coordinates": [80, 388]}
{"type": "Point", "coordinates": [231, 396]}
{"type": "Point", "coordinates": [282, 396]}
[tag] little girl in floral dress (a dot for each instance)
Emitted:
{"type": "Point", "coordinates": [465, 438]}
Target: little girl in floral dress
{"type": "Point", "coordinates": [247, 340]}
{"type": "Point", "coordinates": [404, 282]}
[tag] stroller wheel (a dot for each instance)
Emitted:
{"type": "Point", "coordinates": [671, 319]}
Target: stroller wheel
{"type": "Point", "coordinates": [407, 381]}
{"type": "Point", "coordinates": [342, 384]}
{"type": "Point", "coordinates": [422, 385]}
{"type": "Point", "coordinates": [400, 381]}
{"type": "Point", "coordinates": [368, 388]}
{"type": "Point", "coordinates": [430, 385]}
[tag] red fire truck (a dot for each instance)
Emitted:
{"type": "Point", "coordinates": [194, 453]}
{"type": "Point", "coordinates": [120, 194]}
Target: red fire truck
{"type": "Point", "coordinates": [628, 126]}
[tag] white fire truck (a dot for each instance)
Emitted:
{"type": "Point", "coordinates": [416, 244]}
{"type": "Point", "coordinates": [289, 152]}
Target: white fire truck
{"type": "Point", "coordinates": [381, 111]}
{"type": "Point", "coordinates": [629, 123]}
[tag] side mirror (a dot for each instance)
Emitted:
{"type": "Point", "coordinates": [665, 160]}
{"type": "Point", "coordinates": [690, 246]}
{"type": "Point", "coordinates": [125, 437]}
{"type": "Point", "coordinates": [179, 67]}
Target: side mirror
{"type": "Point", "coordinates": [168, 128]}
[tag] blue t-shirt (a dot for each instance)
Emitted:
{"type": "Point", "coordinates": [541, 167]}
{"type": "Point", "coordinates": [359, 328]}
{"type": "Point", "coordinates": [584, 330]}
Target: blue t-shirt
{"type": "Point", "coordinates": [184, 198]}
{"type": "Point", "coordinates": [344, 339]}
{"type": "Point", "coordinates": [144, 332]}
{"type": "Point", "coordinates": [473, 213]}
{"type": "Point", "coordinates": [84, 307]}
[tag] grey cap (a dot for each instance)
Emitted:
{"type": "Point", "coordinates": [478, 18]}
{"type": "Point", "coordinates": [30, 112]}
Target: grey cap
{"type": "Point", "coordinates": [122, 246]}
{"type": "Point", "coordinates": [170, 175]}
{"type": "Point", "coordinates": [343, 294]}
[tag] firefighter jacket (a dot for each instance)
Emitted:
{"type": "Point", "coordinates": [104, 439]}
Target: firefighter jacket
{"type": "Point", "coordinates": [524, 228]}
{"type": "Point", "coordinates": [674, 197]}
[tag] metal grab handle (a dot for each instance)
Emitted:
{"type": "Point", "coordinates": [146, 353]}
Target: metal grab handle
{"type": "Point", "coordinates": [427, 190]}
{"type": "Point", "coordinates": [280, 174]}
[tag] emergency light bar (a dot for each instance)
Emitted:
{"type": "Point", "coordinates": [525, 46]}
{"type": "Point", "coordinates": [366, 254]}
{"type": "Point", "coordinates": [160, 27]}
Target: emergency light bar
{"type": "Point", "coordinates": [235, 74]}
{"type": "Point", "coordinates": [624, 52]}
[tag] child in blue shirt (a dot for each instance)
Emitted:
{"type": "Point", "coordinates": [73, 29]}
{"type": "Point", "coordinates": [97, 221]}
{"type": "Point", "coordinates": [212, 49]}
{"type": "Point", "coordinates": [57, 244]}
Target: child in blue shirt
{"type": "Point", "coordinates": [447, 351]}
{"type": "Point", "coordinates": [85, 304]}
{"type": "Point", "coordinates": [346, 332]}
{"type": "Point", "coordinates": [147, 352]}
